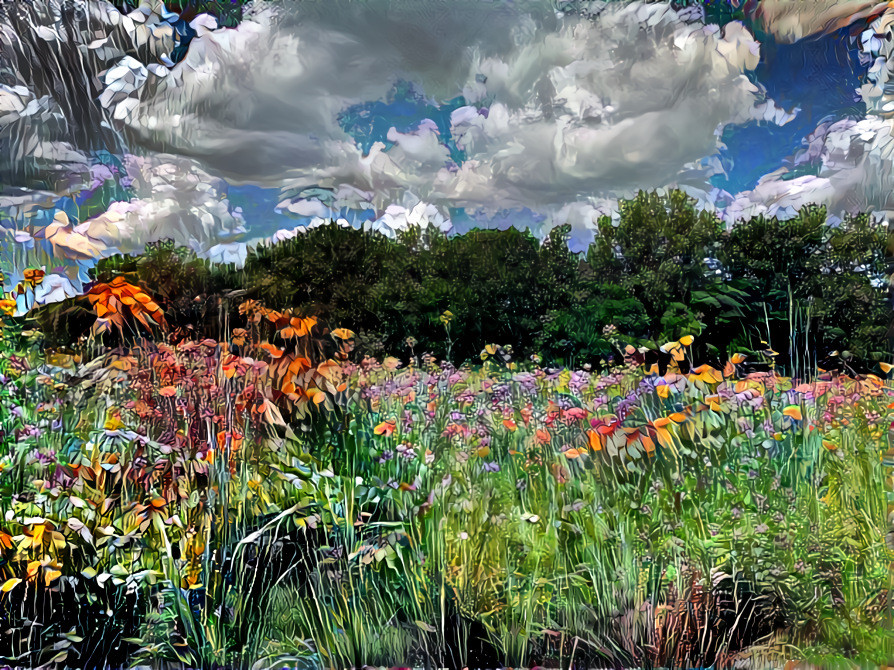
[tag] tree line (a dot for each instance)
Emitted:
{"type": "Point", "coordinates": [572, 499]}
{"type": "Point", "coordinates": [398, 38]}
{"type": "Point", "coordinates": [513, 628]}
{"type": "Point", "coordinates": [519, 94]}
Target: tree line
{"type": "Point", "coordinates": [810, 292]}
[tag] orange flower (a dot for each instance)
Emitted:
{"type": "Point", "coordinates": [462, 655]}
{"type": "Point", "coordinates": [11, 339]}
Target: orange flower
{"type": "Point", "coordinates": [8, 306]}
{"type": "Point", "coordinates": [386, 428]}
{"type": "Point", "coordinates": [298, 327]}
{"type": "Point", "coordinates": [34, 276]}
{"type": "Point", "coordinates": [794, 412]}
{"type": "Point", "coordinates": [235, 440]}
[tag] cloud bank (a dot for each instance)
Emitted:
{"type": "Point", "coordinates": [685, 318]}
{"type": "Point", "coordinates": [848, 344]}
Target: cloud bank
{"type": "Point", "coordinates": [559, 114]}
{"type": "Point", "coordinates": [853, 159]}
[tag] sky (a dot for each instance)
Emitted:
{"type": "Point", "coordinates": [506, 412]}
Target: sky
{"type": "Point", "coordinates": [393, 113]}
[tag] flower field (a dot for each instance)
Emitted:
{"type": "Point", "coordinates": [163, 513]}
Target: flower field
{"type": "Point", "coordinates": [269, 500]}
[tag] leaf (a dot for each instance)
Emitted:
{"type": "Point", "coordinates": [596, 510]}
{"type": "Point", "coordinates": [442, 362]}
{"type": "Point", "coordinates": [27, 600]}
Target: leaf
{"type": "Point", "coordinates": [701, 298]}
{"type": "Point", "coordinates": [428, 628]}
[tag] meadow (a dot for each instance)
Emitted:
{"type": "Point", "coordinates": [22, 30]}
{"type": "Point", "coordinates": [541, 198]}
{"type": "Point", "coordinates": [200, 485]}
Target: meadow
{"type": "Point", "coordinates": [270, 499]}
{"type": "Point", "coordinates": [468, 451]}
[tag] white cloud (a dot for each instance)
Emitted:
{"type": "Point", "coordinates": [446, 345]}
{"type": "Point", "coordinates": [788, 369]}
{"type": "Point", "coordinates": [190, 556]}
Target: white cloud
{"type": "Point", "coordinates": [48, 119]}
{"type": "Point", "coordinates": [578, 109]}
{"type": "Point", "coordinates": [603, 107]}
{"type": "Point", "coordinates": [398, 218]}
{"type": "Point", "coordinates": [577, 106]}
{"type": "Point", "coordinates": [176, 199]}
{"type": "Point", "coordinates": [783, 198]}
{"type": "Point", "coordinates": [54, 288]}
{"type": "Point", "coordinates": [232, 252]}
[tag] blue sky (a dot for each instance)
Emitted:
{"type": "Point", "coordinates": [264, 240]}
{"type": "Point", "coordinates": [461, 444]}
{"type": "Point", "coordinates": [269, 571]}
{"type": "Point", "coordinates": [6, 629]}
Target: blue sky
{"type": "Point", "coordinates": [818, 76]}
{"type": "Point", "coordinates": [497, 114]}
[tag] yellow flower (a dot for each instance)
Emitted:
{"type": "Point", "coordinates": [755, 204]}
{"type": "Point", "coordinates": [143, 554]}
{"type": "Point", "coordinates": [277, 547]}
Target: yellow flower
{"type": "Point", "coordinates": [8, 306]}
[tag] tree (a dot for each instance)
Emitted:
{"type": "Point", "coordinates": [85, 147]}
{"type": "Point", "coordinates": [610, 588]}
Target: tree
{"type": "Point", "coordinates": [657, 252]}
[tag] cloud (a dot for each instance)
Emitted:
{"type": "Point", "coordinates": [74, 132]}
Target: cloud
{"type": "Point", "coordinates": [563, 108]}
{"type": "Point", "coordinates": [52, 53]}
{"type": "Point", "coordinates": [792, 20]}
{"type": "Point", "coordinates": [853, 159]}
{"type": "Point", "coordinates": [263, 99]}
{"type": "Point", "coordinates": [564, 111]}
{"type": "Point", "coordinates": [776, 196]}
{"type": "Point", "coordinates": [604, 107]}
{"type": "Point", "coordinates": [398, 218]}
{"type": "Point", "coordinates": [592, 108]}
{"type": "Point", "coordinates": [54, 288]}
{"type": "Point", "coordinates": [176, 199]}
{"type": "Point", "coordinates": [855, 173]}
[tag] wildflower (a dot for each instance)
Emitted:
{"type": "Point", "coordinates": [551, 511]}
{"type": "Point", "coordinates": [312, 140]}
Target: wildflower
{"type": "Point", "coordinates": [385, 428]}
{"type": "Point", "coordinates": [761, 528]}
{"type": "Point", "coordinates": [34, 276]}
{"type": "Point", "coordinates": [406, 451]}
{"type": "Point", "coordinates": [8, 306]}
